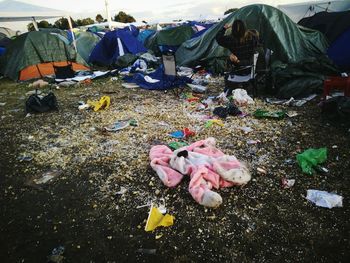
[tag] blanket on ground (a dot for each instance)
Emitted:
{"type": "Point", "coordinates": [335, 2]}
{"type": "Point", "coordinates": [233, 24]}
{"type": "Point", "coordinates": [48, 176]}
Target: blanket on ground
{"type": "Point", "coordinates": [208, 167]}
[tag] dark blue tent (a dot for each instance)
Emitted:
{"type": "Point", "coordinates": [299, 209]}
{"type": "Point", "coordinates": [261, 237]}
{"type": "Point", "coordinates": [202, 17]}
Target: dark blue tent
{"type": "Point", "coordinates": [114, 44]}
{"type": "Point", "coordinates": [339, 51]}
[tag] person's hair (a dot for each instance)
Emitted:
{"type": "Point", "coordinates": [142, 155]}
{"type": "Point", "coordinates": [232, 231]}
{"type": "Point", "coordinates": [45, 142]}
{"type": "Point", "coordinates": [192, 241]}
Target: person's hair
{"type": "Point", "coordinates": [239, 30]}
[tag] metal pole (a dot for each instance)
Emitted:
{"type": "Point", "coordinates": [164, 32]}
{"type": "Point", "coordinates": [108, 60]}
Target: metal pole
{"type": "Point", "coordinates": [108, 15]}
{"type": "Point", "coordinates": [71, 29]}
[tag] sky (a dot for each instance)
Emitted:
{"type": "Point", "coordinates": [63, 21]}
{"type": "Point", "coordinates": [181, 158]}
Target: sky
{"type": "Point", "coordinates": [152, 10]}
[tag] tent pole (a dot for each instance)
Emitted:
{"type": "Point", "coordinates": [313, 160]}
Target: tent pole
{"type": "Point", "coordinates": [108, 14]}
{"type": "Point", "coordinates": [35, 24]}
{"type": "Point", "coordinates": [71, 29]}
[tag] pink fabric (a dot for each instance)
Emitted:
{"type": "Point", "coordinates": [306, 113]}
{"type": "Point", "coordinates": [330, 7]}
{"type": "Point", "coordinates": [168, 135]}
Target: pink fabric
{"type": "Point", "coordinates": [207, 166]}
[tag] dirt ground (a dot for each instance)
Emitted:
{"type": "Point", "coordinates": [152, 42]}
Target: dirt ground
{"type": "Point", "coordinates": [81, 211]}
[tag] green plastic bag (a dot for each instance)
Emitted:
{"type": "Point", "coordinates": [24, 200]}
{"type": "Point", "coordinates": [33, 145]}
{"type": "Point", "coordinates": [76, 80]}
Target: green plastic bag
{"type": "Point", "coordinates": [177, 145]}
{"type": "Point", "coordinates": [311, 158]}
{"type": "Point", "coordinates": [266, 114]}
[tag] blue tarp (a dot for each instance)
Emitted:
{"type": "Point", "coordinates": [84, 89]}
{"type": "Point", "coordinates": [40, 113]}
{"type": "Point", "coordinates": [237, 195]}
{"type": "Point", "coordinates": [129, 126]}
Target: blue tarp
{"type": "Point", "coordinates": [107, 50]}
{"type": "Point", "coordinates": [143, 35]}
{"type": "Point", "coordinates": [165, 82]}
{"type": "Point", "coordinates": [339, 51]}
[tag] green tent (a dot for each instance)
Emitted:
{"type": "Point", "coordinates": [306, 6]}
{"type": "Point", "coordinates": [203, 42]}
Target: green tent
{"type": "Point", "coordinates": [289, 42]}
{"type": "Point", "coordinates": [86, 42]}
{"type": "Point", "coordinates": [171, 37]}
{"type": "Point", "coordinates": [34, 55]}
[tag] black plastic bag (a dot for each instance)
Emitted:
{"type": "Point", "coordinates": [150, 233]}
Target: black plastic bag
{"type": "Point", "coordinates": [35, 104]}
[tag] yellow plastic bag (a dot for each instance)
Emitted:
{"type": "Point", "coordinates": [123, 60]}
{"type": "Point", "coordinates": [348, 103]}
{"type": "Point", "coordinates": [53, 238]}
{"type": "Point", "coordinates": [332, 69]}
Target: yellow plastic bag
{"type": "Point", "coordinates": [104, 103]}
{"type": "Point", "coordinates": [156, 219]}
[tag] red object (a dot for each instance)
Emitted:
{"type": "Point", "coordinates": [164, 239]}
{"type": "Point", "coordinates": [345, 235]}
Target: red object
{"type": "Point", "coordinates": [194, 99]}
{"type": "Point", "coordinates": [187, 132]}
{"type": "Point", "coordinates": [336, 83]}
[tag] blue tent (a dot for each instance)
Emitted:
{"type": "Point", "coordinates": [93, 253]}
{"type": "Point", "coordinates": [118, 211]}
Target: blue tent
{"type": "Point", "coordinates": [114, 44]}
{"type": "Point", "coordinates": [339, 51]}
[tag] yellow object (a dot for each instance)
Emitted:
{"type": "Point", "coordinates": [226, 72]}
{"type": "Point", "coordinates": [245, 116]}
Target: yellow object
{"type": "Point", "coordinates": [156, 219]}
{"type": "Point", "coordinates": [104, 103]}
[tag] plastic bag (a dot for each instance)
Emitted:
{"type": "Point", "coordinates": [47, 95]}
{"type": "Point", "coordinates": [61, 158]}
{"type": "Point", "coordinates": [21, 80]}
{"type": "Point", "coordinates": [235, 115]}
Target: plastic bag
{"type": "Point", "coordinates": [324, 199]}
{"type": "Point", "coordinates": [311, 158]}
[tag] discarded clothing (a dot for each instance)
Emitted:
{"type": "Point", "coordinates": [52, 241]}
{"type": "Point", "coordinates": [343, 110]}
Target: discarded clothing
{"type": "Point", "coordinates": [223, 112]}
{"type": "Point", "coordinates": [207, 166]}
{"type": "Point", "coordinates": [37, 104]}
{"type": "Point", "coordinates": [186, 132]}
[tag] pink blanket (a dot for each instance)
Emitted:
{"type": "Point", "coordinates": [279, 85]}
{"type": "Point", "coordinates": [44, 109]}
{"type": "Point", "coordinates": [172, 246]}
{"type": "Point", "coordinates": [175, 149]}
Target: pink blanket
{"type": "Point", "coordinates": [207, 166]}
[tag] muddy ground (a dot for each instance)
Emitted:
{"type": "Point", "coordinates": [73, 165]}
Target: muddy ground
{"type": "Point", "coordinates": [81, 211]}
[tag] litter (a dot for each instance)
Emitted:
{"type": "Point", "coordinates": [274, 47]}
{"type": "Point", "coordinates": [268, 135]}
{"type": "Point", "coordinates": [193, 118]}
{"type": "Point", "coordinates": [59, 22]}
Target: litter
{"type": "Point", "coordinates": [156, 219]}
{"type": "Point", "coordinates": [266, 114]}
{"type": "Point", "coordinates": [241, 97]}
{"type": "Point", "coordinates": [210, 123]}
{"type": "Point", "coordinates": [310, 158]}
{"type": "Point", "coordinates": [39, 84]}
{"type": "Point", "coordinates": [2, 104]}
{"type": "Point", "coordinates": [246, 130]}
{"type": "Point", "coordinates": [287, 183]}
{"type": "Point", "coordinates": [223, 112]}
{"type": "Point", "coordinates": [122, 191]}
{"type": "Point", "coordinates": [48, 176]}
{"type": "Point", "coordinates": [56, 255]}
{"type": "Point", "coordinates": [197, 88]}
{"type": "Point", "coordinates": [324, 199]}
{"type": "Point", "coordinates": [119, 125]}
{"type": "Point", "coordinates": [185, 133]}
{"type": "Point", "coordinates": [103, 103]}
{"type": "Point", "coordinates": [250, 142]}
{"type": "Point", "coordinates": [25, 158]}
{"type": "Point", "coordinates": [130, 85]}
{"type": "Point", "coordinates": [177, 145]}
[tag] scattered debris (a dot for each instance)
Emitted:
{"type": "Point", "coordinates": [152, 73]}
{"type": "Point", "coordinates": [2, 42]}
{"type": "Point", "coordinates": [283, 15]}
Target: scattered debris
{"type": "Point", "coordinates": [310, 158]}
{"type": "Point", "coordinates": [287, 183]}
{"type": "Point", "coordinates": [56, 255]}
{"type": "Point", "coordinates": [156, 219]}
{"type": "Point", "coordinates": [324, 199]}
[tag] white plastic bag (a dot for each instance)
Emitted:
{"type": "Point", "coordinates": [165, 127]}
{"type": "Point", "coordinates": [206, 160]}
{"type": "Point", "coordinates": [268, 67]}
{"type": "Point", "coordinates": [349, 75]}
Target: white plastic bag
{"type": "Point", "coordinates": [241, 97]}
{"type": "Point", "coordinates": [324, 199]}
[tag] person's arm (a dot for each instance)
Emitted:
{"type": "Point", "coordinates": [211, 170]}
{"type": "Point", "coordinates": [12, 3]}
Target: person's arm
{"type": "Point", "coordinates": [223, 40]}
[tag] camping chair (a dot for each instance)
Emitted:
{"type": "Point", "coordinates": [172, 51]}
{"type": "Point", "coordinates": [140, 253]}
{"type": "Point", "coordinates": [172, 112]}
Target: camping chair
{"type": "Point", "coordinates": [235, 78]}
{"type": "Point", "coordinates": [169, 63]}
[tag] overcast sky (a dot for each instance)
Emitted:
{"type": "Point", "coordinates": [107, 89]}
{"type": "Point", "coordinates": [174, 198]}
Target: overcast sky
{"type": "Point", "coordinates": [153, 10]}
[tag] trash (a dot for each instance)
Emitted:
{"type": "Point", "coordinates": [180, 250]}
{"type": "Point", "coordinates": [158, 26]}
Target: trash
{"type": "Point", "coordinates": [310, 158]}
{"type": "Point", "coordinates": [67, 83]}
{"type": "Point", "coordinates": [210, 123]}
{"type": "Point", "coordinates": [47, 176]}
{"type": "Point", "coordinates": [287, 183]}
{"type": "Point", "coordinates": [130, 85]}
{"type": "Point", "coordinates": [122, 191]}
{"type": "Point", "coordinates": [37, 104]}
{"type": "Point", "coordinates": [83, 105]}
{"type": "Point", "coordinates": [291, 101]}
{"type": "Point", "coordinates": [151, 251]}
{"type": "Point", "coordinates": [324, 199]}
{"type": "Point", "coordinates": [197, 88]}
{"type": "Point", "coordinates": [292, 114]}
{"type": "Point", "coordinates": [177, 145]}
{"type": "Point", "coordinates": [156, 219]}
{"type": "Point", "coordinates": [103, 103]}
{"type": "Point", "coordinates": [24, 158]}
{"type": "Point", "coordinates": [246, 130]}
{"type": "Point", "coordinates": [186, 132]}
{"type": "Point", "coordinates": [266, 114]}
{"type": "Point", "coordinates": [250, 142]}
{"type": "Point", "coordinates": [39, 84]}
{"type": "Point", "coordinates": [223, 112]}
{"type": "Point", "coordinates": [261, 171]}
{"type": "Point", "coordinates": [222, 97]}
{"type": "Point", "coordinates": [241, 97]}
{"type": "Point", "coordinates": [119, 125]}
{"type": "Point", "coordinates": [114, 79]}
{"type": "Point", "coordinates": [2, 104]}
{"type": "Point", "coordinates": [56, 255]}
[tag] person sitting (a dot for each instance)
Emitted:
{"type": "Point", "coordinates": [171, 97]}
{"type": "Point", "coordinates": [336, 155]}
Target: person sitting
{"type": "Point", "coordinates": [242, 43]}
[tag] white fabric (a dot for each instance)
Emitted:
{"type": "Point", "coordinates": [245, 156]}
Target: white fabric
{"type": "Point", "coordinates": [120, 47]}
{"type": "Point", "coordinates": [150, 80]}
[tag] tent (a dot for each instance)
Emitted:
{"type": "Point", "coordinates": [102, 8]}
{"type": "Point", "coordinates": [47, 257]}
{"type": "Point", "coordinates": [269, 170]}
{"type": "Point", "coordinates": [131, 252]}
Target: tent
{"type": "Point", "coordinates": [169, 38]}
{"type": "Point", "coordinates": [288, 42]}
{"type": "Point", "coordinates": [114, 44]}
{"type": "Point", "coordinates": [34, 55]}
{"type": "Point", "coordinates": [7, 32]}
{"type": "Point", "coordinates": [332, 25]}
{"type": "Point", "coordinates": [4, 41]}
{"type": "Point", "coordinates": [86, 42]}
{"type": "Point", "coordinates": [339, 51]}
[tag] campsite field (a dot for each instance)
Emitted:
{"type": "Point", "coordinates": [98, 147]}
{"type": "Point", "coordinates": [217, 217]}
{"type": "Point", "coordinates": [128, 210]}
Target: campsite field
{"type": "Point", "coordinates": [80, 209]}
